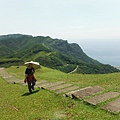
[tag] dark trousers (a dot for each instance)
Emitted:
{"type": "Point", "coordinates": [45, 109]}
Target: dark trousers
{"type": "Point", "coordinates": [31, 84]}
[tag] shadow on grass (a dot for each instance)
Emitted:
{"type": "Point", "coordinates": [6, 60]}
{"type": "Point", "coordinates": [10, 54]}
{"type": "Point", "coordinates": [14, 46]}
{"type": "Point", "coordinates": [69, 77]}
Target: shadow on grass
{"type": "Point", "coordinates": [27, 94]}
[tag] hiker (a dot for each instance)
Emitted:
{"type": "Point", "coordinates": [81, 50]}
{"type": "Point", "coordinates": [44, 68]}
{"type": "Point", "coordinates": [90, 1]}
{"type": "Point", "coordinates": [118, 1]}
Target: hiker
{"type": "Point", "coordinates": [29, 77]}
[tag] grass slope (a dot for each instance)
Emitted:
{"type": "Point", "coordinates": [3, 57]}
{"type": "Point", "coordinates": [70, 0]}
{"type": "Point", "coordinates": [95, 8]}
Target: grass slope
{"type": "Point", "coordinates": [16, 104]}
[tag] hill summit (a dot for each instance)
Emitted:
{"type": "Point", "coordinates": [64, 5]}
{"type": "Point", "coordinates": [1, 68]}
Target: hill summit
{"type": "Point", "coordinates": [54, 53]}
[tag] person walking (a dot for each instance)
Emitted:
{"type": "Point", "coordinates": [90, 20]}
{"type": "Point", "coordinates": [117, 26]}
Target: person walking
{"type": "Point", "coordinates": [29, 77]}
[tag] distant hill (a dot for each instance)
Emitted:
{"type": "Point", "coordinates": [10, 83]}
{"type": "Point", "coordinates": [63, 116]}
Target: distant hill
{"type": "Point", "coordinates": [54, 53]}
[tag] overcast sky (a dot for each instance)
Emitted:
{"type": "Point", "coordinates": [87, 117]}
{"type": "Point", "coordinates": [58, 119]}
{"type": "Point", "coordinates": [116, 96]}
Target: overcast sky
{"type": "Point", "coordinates": [86, 22]}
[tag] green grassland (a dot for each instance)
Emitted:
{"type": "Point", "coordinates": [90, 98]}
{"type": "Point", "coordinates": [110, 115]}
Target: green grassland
{"type": "Point", "coordinates": [16, 104]}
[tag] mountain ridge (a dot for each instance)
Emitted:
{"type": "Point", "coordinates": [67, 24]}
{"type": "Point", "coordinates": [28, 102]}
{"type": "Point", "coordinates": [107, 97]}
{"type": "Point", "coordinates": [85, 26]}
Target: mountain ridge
{"type": "Point", "coordinates": [53, 53]}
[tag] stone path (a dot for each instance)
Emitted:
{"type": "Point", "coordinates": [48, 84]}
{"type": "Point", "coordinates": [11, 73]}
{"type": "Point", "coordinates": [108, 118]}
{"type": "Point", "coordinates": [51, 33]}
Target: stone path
{"type": "Point", "coordinates": [101, 98]}
{"type": "Point", "coordinates": [88, 91]}
{"type": "Point", "coordinates": [64, 90]}
{"type": "Point", "coordinates": [52, 85]}
{"type": "Point", "coordinates": [65, 85]}
{"type": "Point", "coordinates": [113, 106]}
{"type": "Point", "coordinates": [10, 78]}
{"type": "Point", "coordinates": [96, 94]}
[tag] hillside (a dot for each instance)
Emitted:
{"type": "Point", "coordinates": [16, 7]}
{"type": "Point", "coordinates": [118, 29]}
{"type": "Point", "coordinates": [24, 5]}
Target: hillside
{"type": "Point", "coordinates": [53, 53]}
{"type": "Point", "coordinates": [17, 104]}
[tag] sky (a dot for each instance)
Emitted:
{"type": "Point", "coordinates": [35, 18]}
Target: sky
{"type": "Point", "coordinates": [92, 24]}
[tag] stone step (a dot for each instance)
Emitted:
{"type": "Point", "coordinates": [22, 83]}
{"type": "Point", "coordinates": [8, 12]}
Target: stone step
{"type": "Point", "coordinates": [88, 91]}
{"type": "Point", "coordinates": [5, 75]}
{"type": "Point", "coordinates": [113, 106]}
{"type": "Point", "coordinates": [12, 79]}
{"type": "Point", "coordinates": [101, 98]}
{"type": "Point", "coordinates": [69, 94]}
{"type": "Point", "coordinates": [96, 89]}
{"type": "Point", "coordinates": [67, 89]}
{"type": "Point", "coordinates": [53, 84]}
{"type": "Point", "coordinates": [41, 82]}
{"type": "Point", "coordinates": [20, 82]}
{"type": "Point", "coordinates": [40, 85]}
{"type": "Point", "coordinates": [59, 87]}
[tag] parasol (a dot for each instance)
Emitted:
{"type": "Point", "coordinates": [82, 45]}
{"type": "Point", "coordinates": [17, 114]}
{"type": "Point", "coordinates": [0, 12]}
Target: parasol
{"type": "Point", "coordinates": [36, 65]}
